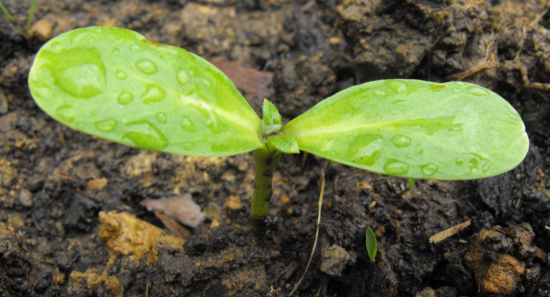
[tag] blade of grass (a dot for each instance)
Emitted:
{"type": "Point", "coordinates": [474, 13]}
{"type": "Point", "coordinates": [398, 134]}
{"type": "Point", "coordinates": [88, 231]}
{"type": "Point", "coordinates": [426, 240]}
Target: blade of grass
{"type": "Point", "coordinates": [6, 12]}
{"type": "Point", "coordinates": [31, 15]}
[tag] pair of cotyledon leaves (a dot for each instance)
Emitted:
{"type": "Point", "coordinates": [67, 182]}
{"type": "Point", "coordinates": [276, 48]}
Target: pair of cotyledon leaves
{"type": "Point", "coordinates": [115, 84]}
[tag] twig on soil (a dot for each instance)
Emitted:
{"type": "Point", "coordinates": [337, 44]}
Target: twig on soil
{"type": "Point", "coordinates": [67, 177]}
{"type": "Point", "coordinates": [316, 233]}
{"type": "Point", "coordinates": [449, 232]}
{"type": "Point", "coordinates": [61, 137]}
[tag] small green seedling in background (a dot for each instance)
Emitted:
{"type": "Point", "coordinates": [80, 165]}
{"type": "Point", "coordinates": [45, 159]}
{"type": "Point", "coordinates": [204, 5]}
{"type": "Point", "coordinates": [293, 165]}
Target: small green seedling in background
{"type": "Point", "coordinates": [371, 244]}
{"type": "Point", "coordinates": [12, 19]}
{"type": "Point", "coordinates": [115, 84]}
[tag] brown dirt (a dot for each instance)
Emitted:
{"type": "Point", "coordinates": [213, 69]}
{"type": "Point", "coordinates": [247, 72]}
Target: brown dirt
{"type": "Point", "coordinates": [66, 197]}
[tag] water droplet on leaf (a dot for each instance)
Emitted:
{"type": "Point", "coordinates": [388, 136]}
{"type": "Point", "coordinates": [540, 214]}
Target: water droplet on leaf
{"type": "Point", "coordinates": [120, 74]}
{"type": "Point", "coordinates": [153, 93]}
{"type": "Point", "coordinates": [65, 113]}
{"type": "Point", "coordinates": [485, 168]}
{"type": "Point", "coordinates": [379, 93]}
{"type": "Point", "coordinates": [106, 125]}
{"type": "Point", "coordinates": [459, 161]}
{"type": "Point", "coordinates": [429, 169]}
{"type": "Point", "coordinates": [419, 150]}
{"type": "Point", "coordinates": [125, 97]}
{"type": "Point", "coordinates": [81, 78]}
{"type": "Point", "coordinates": [394, 167]}
{"type": "Point", "coordinates": [188, 146]}
{"type": "Point", "coordinates": [145, 135]}
{"type": "Point", "coordinates": [187, 125]}
{"type": "Point", "coordinates": [161, 117]}
{"type": "Point", "coordinates": [401, 140]}
{"type": "Point", "coordinates": [477, 91]}
{"type": "Point", "coordinates": [135, 48]}
{"type": "Point", "coordinates": [146, 66]}
{"type": "Point", "coordinates": [182, 77]}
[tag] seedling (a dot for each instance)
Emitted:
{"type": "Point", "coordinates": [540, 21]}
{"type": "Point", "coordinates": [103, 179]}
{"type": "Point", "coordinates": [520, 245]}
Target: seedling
{"type": "Point", "coordinates": [371, 244]}
{"type": "Point", "coordinates": [115, 84]}
{"type": "Point", "coordinates": [12, 19]}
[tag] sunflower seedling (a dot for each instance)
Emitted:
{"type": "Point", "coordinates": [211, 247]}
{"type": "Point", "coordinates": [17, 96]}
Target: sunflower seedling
{"type": "Point", "coordinates": [115, 84]}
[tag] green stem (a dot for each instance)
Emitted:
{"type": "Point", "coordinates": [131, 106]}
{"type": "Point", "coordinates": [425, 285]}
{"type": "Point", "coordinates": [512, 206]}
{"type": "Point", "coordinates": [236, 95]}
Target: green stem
{"type": "Point", "coordinates": [266, 159]}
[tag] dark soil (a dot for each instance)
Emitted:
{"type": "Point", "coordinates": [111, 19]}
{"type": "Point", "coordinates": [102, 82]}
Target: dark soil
{"type": "Point", "coordinates": [56, 183]}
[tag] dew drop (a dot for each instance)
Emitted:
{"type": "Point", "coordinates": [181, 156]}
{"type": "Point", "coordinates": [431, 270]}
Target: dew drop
{"type": "Point", "coordinates": [125, 97]}
{"type": "Point", "coordinates": [206, 82]}
{"type": "Point", "coordinates": [401, 140]}
{"type": "Point", "coordinates": [98, 29]}
{"type": "Point", "coordinates": [477, 91]}
{"type": "Point", "coordinates": [146, 66]}
{"type": "Point", "coordinates": [91, 40]}
{"type": "Point", "coordinates": [81, 78]}
{"type": "Point", "coordinates": [153, 93]}
{"type": "Point", "coordinates": [429, 169]}
{"type": "Point", "coordinates": [65, 113]}
{"type": "Point", "coordinates": [130, 70]}
{"type": "Point", "coordinates": [161, 117]}
{"type": "Point", "coordinates": [215, 125]}
{"type": "Point", "coordinates": [379, 93]}
{"type": "Point", "coordinates": [460, 83]}
{"type": "Point", "coordinates": [135, 48]}
{"type": "Point", "coordinates": [120, 74]}
{"type": "Point", "coordinates": [182, 77]}
{"type": "Point", "coordinates": [145, 135]}
{"type": "Point", "coordinates": [115, 52]}
{"type": "Point", "coordinates": [486, 168]}
{"type": "Point", "coordinates": [459, 161]}
{"type": "Point", "coordinates": [394, 167]}
{"type": "Point", "coordinates": [106, 125]}
{"type": "Point", "coordinates": [419, 149]}
{"type": "Point", "coordinates": [187, 125]}
{"type": "Point", "coordinates": [188, 146]}
{"type": "Point", "coordinates": [397, 85]}
{"type": "Point", "coordinates": [457, 91]}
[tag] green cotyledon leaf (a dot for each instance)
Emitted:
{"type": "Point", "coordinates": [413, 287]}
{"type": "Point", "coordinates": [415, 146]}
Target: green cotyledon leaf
{"type": "Point", "coordinates": [415, 129]}
{"type": "Point", "coordinates": [115, 84]}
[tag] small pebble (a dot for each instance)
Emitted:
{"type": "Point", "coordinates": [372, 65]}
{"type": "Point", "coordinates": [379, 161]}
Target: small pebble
{"type": "Point", "coordinates": [25, 198]}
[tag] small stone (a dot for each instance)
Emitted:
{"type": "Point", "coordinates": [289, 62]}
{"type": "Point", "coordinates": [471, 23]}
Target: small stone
{"type": "Point", "coordinates": [181, 208]}
{"type": "Point", "coordinates": [233, 202]}
{"type": "Point", "coordinates": [42, 29]}
{"type": "Point", "coordinates": [25, 198]}
{"type": "Point", "coordinates": [215, 224]}
{"type": "Point", "coordinates": [335, 260]}
{"type": "Point", "coordinates": [97, 184]}
{"type": "Point", "coordinates": [426, 292]}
